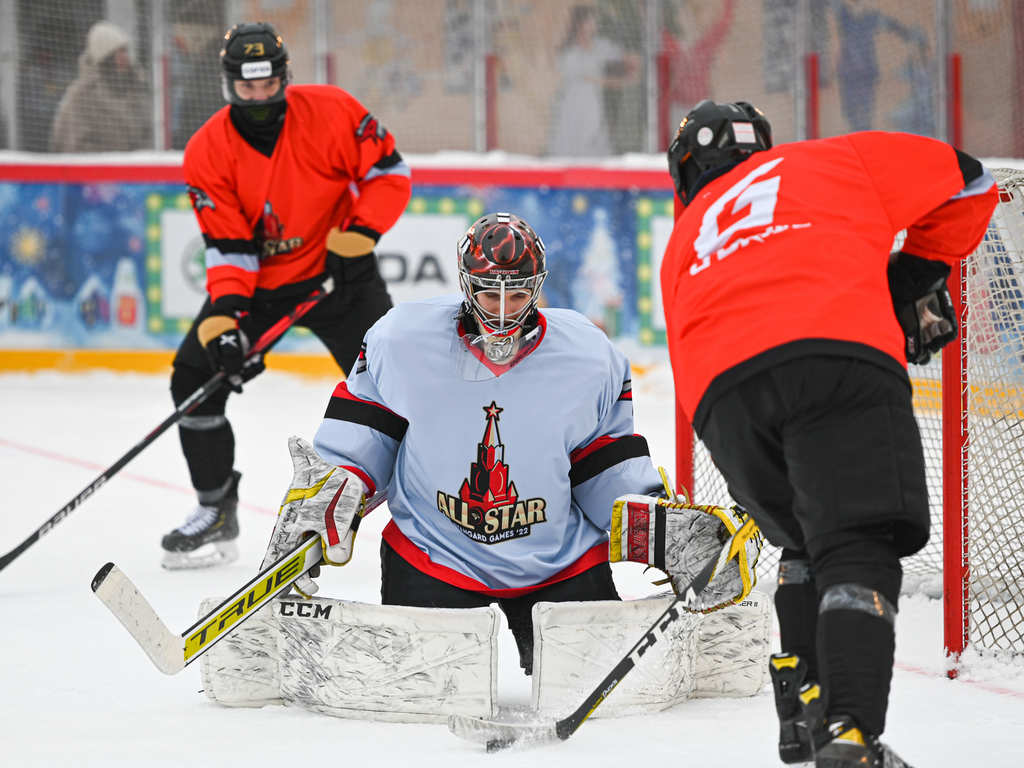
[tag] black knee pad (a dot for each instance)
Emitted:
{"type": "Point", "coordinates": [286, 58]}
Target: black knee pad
{"type": "Point", "coordinates": [865, 556]}
{"type": "Point", "coordinates": [185, 380]}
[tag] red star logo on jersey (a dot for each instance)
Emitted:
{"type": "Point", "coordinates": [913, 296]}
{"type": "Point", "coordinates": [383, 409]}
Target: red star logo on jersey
{"type": "Point", "coordinates": [488, 508]}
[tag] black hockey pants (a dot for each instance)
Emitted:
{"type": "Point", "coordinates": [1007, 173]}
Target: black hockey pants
{"type": "Point", "coordinates": [825, 454]}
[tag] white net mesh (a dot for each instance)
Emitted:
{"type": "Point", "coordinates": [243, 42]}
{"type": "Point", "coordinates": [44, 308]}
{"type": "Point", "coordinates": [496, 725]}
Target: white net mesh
{"type": "Point", "coordinates": [995, 409]}
{"type": "Point", "coordinates": [995, 459]}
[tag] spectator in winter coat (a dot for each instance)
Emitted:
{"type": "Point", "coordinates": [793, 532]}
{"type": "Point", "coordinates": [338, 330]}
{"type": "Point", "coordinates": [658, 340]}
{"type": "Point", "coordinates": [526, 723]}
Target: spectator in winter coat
{"type": "Point", "coordinates": [107, 107]}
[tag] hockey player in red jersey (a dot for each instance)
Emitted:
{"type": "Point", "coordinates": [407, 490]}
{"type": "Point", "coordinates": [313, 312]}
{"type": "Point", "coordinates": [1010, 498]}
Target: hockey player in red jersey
{"type": "Point", "coordinates": [789, 328]}
{"type": "Point", "coordinates": [288, 182]}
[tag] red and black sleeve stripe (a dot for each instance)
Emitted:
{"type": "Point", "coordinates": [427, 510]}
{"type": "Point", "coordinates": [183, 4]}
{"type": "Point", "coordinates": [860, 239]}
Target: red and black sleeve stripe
{"type": "Point", "coordinates": [344, 406]}
{"type": "Point", "coordinates": [605, 452]}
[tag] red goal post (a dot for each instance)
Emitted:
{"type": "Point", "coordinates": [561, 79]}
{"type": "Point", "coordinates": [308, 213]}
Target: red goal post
{"type": "Point", "coordinates": [970, 408]}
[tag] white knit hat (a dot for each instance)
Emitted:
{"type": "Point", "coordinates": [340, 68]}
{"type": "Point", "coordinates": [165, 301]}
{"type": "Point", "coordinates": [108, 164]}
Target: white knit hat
{"type": "Point", "coordinates": [105, 38]}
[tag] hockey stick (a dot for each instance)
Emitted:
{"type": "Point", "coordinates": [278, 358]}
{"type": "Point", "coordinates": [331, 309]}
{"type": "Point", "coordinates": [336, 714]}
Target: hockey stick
{"type": "Point", "coordinates": [498, 736]}
{"type": "Point", "coordinates": [215, 382]}
{"type": "Point", "coordinates": [171, 653]}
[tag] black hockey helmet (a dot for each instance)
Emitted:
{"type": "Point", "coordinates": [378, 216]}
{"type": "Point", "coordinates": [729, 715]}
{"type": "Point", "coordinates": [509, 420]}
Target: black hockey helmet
{"type": "Point", "coordinates": [712, 135]}
{"type": "Point", "coordinates": [253, 51]}
{"type": "Point", "coordinates": [501, 252]}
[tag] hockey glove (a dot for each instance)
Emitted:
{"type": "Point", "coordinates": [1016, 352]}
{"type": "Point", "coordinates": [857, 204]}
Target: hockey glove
{"type": "Point", "coordinates": [323, 500]}
{"type": "Point", "coordinates": [226, 345]}
{"type": "Point", "coordinates": [350, 257]}
{"type": "Point", "coordinates": [923, 306]}
{"type": "Point", "coordinates": [680, 539]}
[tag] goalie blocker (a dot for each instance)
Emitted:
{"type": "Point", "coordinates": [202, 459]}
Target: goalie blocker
{"type": "Point", "coordinates": [401, 664]}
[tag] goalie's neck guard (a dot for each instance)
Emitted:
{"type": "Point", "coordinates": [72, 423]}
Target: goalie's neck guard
{"type": "Point", "coordinates": [481, 354]}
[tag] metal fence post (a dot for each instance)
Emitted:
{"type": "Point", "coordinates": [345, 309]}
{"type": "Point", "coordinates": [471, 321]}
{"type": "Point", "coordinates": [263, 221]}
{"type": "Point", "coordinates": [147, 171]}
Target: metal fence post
{"type": "Point", "coordinates": [158, 68]}
{"type": "Point", "coordinates": [9, 54]}
{"type": "Point", "coordinates": [480, 50]}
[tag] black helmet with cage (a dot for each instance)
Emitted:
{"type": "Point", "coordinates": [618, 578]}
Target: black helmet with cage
{"type": "Point", "coordinates": [253, 51]}
{"type": "Point", "coordinates": [501, 254]}
{"type": "Point", "coordinates": [713, 135]}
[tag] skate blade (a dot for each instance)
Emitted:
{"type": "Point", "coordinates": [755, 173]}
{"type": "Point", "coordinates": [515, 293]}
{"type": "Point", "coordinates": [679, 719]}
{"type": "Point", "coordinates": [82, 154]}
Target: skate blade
{"type": "Point", "coordinates": [501, 736]}
{"type": "Point", "coordinates": [207, 556]}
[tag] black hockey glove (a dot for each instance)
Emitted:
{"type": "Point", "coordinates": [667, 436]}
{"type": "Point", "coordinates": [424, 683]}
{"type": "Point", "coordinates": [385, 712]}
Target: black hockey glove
{"type": "Point", "coordinates": [350, 258]}
{"type": "Point", "coordinates": [227, 345]}
{"type": "Point", "coordinates": [923, 306]}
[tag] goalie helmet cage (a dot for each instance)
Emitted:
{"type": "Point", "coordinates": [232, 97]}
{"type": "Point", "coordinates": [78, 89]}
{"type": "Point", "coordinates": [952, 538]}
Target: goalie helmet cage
{"type": "Point", "coordinates": [969, 403]}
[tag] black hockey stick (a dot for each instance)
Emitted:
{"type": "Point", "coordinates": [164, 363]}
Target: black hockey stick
{"type": "Point", "coordinates": [171, 653]}
{"type": "Point", "coordinates": [498, 736]}
{"type": "Point", "coordinates": [215, 382]}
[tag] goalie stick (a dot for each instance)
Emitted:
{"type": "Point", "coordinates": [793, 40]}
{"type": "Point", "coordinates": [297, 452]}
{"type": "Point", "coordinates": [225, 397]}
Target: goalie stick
{"type": "Point", "coordinates": [500, 735]}
{"type": "Point", "coordinates": [215, 382]}
{"type": "Point", "coordinates": [171, 653]}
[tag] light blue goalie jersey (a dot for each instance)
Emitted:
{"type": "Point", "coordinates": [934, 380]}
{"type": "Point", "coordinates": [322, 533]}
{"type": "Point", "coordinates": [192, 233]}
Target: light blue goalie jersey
{"type": "Point", "coordinates": [499, 484]}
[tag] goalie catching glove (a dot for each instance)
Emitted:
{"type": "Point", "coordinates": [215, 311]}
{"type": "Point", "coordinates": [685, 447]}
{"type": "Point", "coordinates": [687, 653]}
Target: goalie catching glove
{"type": "Point", "coordinates": [324, 500]}
{"type": "Point", "coordinates": [680, 539]}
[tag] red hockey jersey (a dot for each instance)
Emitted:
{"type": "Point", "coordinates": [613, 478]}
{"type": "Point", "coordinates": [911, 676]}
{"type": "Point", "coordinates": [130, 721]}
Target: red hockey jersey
{"type": "Point", "coordinates": [266, 219]}
{"type": "Point", "coordinates": [786, 253]}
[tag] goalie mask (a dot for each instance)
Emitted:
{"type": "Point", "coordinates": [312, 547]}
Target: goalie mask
{"type": "Point", "coordinates": [253, 51]}
{"type": "Point", "coordinates": [712, 135]}
{"type": "Point", "coordinates": [501, 271]}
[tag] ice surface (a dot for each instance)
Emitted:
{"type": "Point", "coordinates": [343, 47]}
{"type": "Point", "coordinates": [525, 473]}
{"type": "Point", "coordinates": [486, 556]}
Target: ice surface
{"type": "Point", "coordinates": [75, 689]}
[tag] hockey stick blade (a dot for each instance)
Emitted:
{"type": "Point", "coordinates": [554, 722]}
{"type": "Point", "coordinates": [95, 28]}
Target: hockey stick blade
{"type": "Point", "coordinates": [499, 736]}
{"type": "Point", "coordinates": [267, 340]}
{"type": "Point", "coordinates": [171, 653]}
{"type": "Point", "coordinates": [117, 592]}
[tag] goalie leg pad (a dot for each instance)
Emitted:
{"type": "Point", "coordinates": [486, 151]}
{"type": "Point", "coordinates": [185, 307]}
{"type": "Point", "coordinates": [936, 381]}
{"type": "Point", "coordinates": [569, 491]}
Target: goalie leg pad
{"type": "Point", "coordinates": [734, 645]}
{"type": "Point", "coordinates": [361, 661]}
{"type": "Point", "coordinates": [575, 644]}
{"type": "Point", "coordinates": [243, 669]}
{"type": "Point", "coordinates": [680, 539]}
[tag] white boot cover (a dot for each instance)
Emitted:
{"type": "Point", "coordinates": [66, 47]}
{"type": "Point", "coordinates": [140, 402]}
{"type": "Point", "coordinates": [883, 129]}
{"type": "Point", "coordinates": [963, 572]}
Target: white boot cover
{"type": "Point", "coordinates": [733, 647]}
{"type": "Point", "coordinates": [361, 661]}
{"type": "Point", "coordinates": [577, 644]}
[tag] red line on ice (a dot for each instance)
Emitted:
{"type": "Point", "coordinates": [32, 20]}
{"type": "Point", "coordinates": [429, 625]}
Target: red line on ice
{"type": "Point", "coordinates": [137, 478]}
{"type": "Point", "coordinates": [983, 685]}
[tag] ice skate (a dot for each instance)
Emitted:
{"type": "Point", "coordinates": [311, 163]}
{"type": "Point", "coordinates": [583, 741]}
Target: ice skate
{"type": "Point", "coordinates": [207, 538]}
{"type": "Point", "coordinates": [849, 747]}
{"type": "Point", "coordinates": [788, 672]}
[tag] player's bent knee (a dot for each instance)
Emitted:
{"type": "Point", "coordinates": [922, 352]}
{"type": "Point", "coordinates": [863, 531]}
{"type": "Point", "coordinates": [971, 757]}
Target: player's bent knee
{"type": "Point", "coordinates": [360, 661]}
{"type": "Point", "coordinates": [856, 597]}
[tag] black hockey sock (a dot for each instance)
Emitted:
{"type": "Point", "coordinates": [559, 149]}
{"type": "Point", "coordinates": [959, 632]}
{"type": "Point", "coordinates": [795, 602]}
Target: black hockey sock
{"type": "Point", "coordinates": [796, 605]}
{"type": "Point", "coordinates": [858, 575]}
{"type": "Point", "coordinates": [857, 653]}
{"type": "Point", "coordinates": [210, 452]}
{"type": "Point", "coordinates": [206, 436]}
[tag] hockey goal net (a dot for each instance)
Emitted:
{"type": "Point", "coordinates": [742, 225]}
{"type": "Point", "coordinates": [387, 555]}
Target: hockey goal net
{"type": "Point", "coordinates": [969, 403]}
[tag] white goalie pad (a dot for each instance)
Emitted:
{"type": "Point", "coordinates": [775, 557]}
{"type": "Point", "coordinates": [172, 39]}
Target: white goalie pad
{"type": "Point", "coordinates": [733, 648]}
{"type": "Point", "coordinates": [577, 644]}
{"type": "Point", "coordinates": [361, 661]}
{"type": "Point", "coordinates": [719, 654]}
